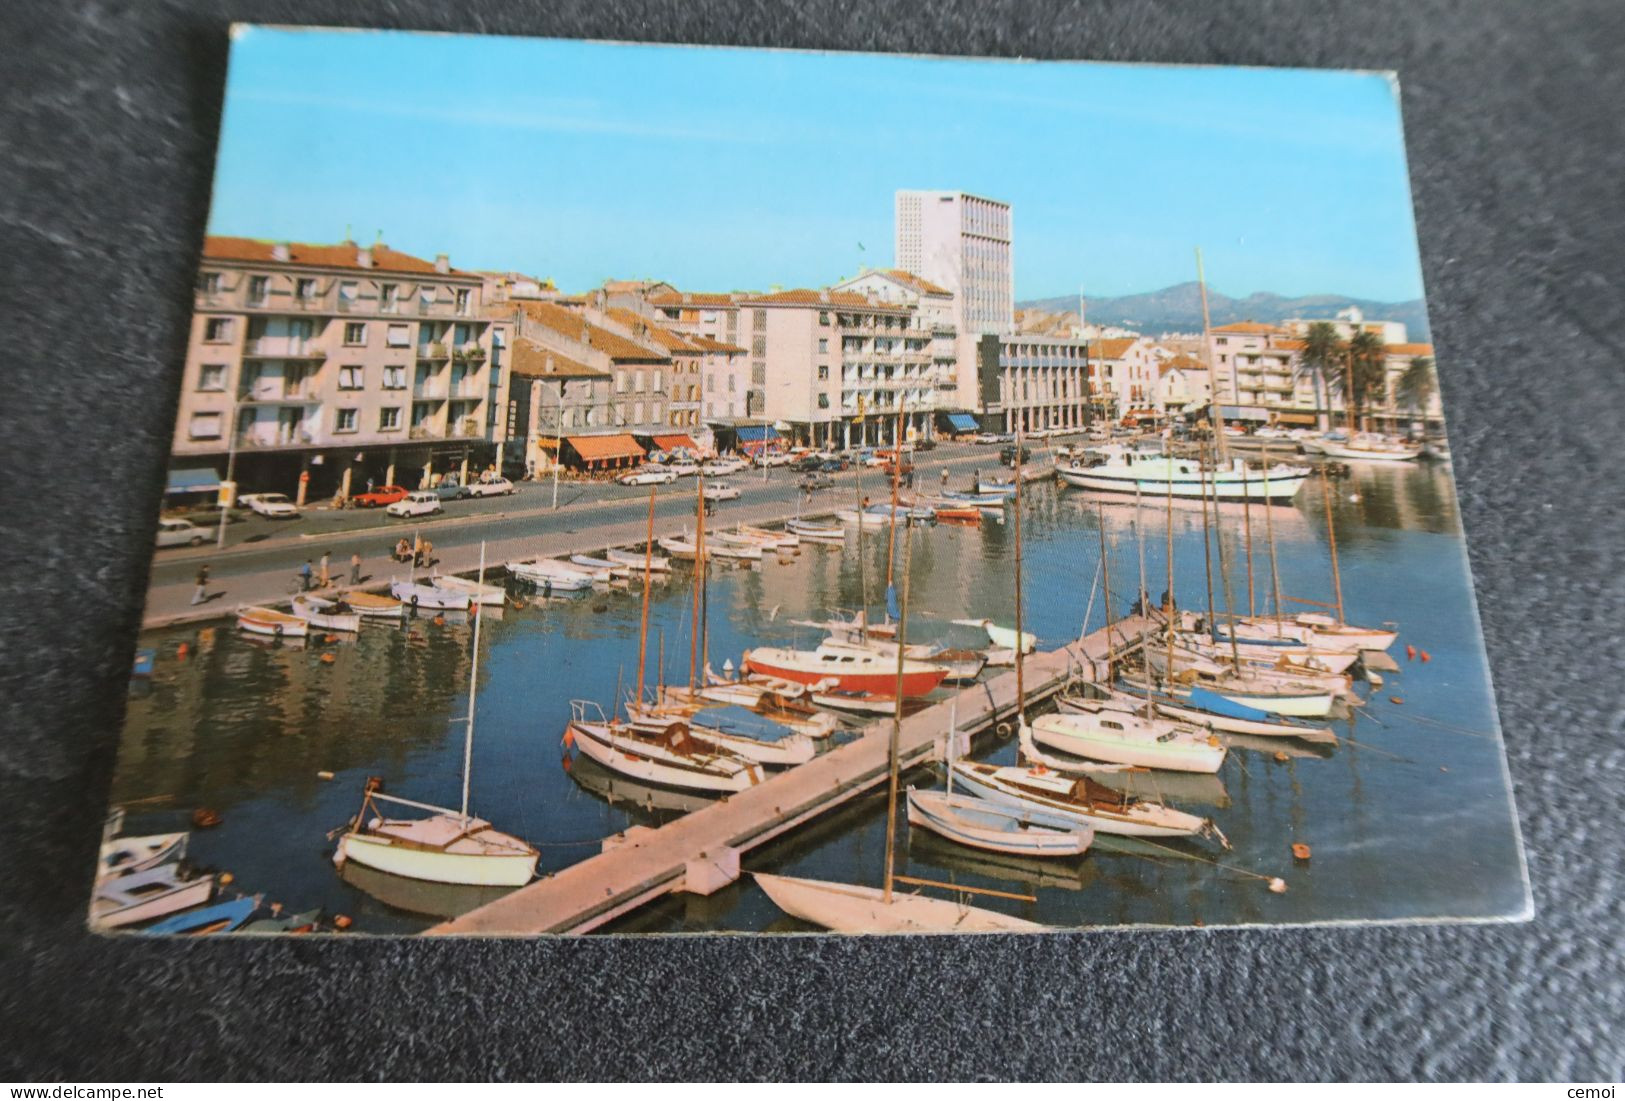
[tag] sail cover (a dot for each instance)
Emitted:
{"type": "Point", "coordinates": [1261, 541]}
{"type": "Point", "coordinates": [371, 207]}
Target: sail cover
{"type": "Point", "coordinates": [741, 722]}
{"type": "Point", "coordinates": [1220, 705]}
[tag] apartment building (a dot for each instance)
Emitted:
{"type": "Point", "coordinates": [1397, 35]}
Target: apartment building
{"type": "Point", "coordinates": [313, 368]}
{"type": "Point", "coordinates": [712, 323]}
{"type": "Point", "coordinates": [552, 397]}
{"type": "Point", "coordinates": [1125, 370]}
{"type": "Point", "coordinates": [934, 311]}
{"type": "Point", "coordinates": [1033, 382]}
{"type": "Point", "coordinates": [685, 382]}
{"type": "Point", "coordinates": [963, 243]}
{"type": "Point", "coordinates": [1182, 385]}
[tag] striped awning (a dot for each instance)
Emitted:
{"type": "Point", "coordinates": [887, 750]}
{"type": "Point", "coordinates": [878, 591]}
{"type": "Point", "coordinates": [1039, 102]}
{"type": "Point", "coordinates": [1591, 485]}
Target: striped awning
{"type": "Point", "coordinates": [193, 479]}
{"type": "Point", "coordinates": [672, 443]}
{"type": "Point", "coordinates": [603, 448]}
{"type": "Point", "coordinates": [962, 422]}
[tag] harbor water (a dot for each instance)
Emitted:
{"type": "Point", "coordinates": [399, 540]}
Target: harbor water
{"type": "Point", "coordinates": [1408, 817]}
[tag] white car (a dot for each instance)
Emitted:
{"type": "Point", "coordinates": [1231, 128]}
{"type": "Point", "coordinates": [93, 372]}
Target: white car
{"type": "Point", "coordinates": [648, 476]}
{"type": "Point", "coordinates": [986, 437]}
{"type": "Point", "coordinates": [422, 503]}
{"type": "Point", "coordinates": [683, 468]}
{"type": "Point", "coordinates": [274, 505]}
{"type": "Point", "coordinates": [721, 491]}
{"type": "Point", "coordinates": [180, 533]}
{"type": "Point", "coordinates": [718, 467]}
{"type": "Point", "coordinates": [775, 458]}
{"type": "Point", "coordinates": [496, 487]}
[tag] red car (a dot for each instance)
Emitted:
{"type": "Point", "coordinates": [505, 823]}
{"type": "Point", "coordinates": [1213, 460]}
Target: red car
{"type": "Point", "coordinates": [378, 498]}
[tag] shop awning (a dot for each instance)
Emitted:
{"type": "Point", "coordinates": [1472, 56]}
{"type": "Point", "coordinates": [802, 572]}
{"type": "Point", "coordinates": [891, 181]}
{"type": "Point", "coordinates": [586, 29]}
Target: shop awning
{"type": "Point", "coordinates": [1305, 420]}
{"type": "Point", "coordinates": [594, 449]}
{"type": "Point", "coordinates": [755, 437]}
{"type": "Point", "coordinates": [673, 443]}
{"type": "Point", "coordinates": [193, 479]}
{"type": "Point", "coordinates": [962, 422]}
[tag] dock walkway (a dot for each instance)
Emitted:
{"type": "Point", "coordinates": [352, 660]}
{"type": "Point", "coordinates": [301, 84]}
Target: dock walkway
{"type": "Point", "coordinates": [700, 851]}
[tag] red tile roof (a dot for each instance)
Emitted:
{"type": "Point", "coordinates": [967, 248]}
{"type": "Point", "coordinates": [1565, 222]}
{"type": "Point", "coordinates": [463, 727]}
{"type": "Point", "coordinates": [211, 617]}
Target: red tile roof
{"type": "Point", "coordinates": [535, 361]}
{"type": "Point", "coordinates": [570, 324]}
{"type": "Point", "coordinates": [845, 300]}
{"type": "Point", "coordinates": [344, 255]}
{"type": "Point", "coordinates": [1410, 349]}
{"type": "Point", "coordinates": [688, 298]}
{"type": "Point", "coordinates": [1246, 327]}
{"type": "Point", "coordinates": [924, 286]}
{"type": "Point", "coordinates": [1113, 348]}
{"type": "Point", "coordinates": [706, 344]}
{"type": "Point", "coordinates": [648, 330]}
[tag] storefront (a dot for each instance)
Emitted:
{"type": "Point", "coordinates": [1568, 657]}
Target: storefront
{"type": "Point", "coordinates": [600, 453]}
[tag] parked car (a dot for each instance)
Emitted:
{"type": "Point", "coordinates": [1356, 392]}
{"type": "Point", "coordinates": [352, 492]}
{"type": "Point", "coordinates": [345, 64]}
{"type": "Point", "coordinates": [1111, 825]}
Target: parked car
{"type": "Point", "coordinates": [717, 467]}
{"type": "Point", "coordinates": [648, 476]}
{"type": "Point", "coordinates": [721, 491]}
{"type": "Point", "coordinates": [986, 437]}
{"type": "Point", "coordinates": [496, 487]}
{"type": "Point", "coordinates": [807, 464]}
{"type": "Point", "coordinates": [423, 502]}
{"type": "Point", "coordinates": [180, 533]}
{"type": "Point", "coordinates": [835, 465]}
{"type": "Point", "coordinates": [816, 480]}
{"type": "Point", "coordinates": [274, 505]}
{"type": "Point", "coordinates": [378, 498]}
{"type": "Point", "coordinates": [1007, 455]}
{"type": "Point", "coordinates": [927, 444]}
{"type": "Point", "coordinates": [773, 458]}
{"type": "Point", "coordinates": [683, 468]}
{"type": "Point", "coordinates": [450, 491]}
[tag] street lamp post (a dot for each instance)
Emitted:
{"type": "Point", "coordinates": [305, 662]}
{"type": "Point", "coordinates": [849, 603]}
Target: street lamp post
{"type": "Point", "coordinates": [231, 476]}
{"type": "Point", "coordinates": [558, 444]}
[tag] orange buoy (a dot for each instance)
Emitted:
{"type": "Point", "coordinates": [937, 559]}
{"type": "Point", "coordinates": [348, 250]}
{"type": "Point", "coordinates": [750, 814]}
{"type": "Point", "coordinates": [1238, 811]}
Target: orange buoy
{"type": "Point", "coordinates": [1395, 699]}
{"type": "Point", "coordinates": [1426, 656]}
{"type": "Point", "coordinates": [1301, 851]}
{"type": "Point", "coordinates": [226, 878]}
{"type": "Point", "coordinates": [439, 621]}
{"type": "Point", "coordinates": [206, 818]}
{"type": "Point", "coordinates": [1410, 652]}
{"type": "Point", "coordinates": [330, 638]}
{"type": "Point", "coordinates": [180, 651]}
{"type": "Point", "coordinates": [1280, 755]}
{"type": "Point", "coordinates": [327, 659]}
{"type": "Point", "coordinates": [341, 921]}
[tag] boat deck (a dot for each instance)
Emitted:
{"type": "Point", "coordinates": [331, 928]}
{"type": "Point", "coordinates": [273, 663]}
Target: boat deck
{"type": "Point", "coordinates": [700, 851]}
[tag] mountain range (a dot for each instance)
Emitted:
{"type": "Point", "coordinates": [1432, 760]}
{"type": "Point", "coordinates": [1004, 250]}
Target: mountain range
{"type": "Point", "coordinates": [1179, 309]}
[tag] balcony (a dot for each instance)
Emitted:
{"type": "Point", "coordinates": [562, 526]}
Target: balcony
{"type": "Point", "coordinates": [432, 350]}
{"type": "Point", "coordinates": [423, 432]}
{"type": "Point", "coordinates": [283, 347]}
{"type": "Point", "coordinates": [431, 390]}
{"type": "Point", "coordinates": [469, 426]}
{"type": "Point", "coordinates": [275, 436]}
{"type": "Point", "coordinates": [469, 353]}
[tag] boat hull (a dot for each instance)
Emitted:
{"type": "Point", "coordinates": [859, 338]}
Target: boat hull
{"type": "Point", "coordinates": [1223, 485]}
{"type": "Point", "coordinates": [257, 621]}
{"type": "Point", "coordinates": [459, 869]}
{"type": "Point", "coordinates": [956, 818]}
{"type": "Point", "coordinates": [1161, 822]}
{"type": "Point", "coordinates": [849, 908]}
{"type": "Point", "coordinates": [918, 677]}
{"type": "Point", "coordinates": [638, 760]}
{"type": "Point", "coordinates": [431, 597]}
{"type": "Point", "coordinates": [1075, 734]}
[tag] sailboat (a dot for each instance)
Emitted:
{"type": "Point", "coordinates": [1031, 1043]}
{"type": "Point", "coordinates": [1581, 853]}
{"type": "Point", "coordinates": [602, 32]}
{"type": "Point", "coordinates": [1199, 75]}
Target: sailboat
{"type": "Point", "coordinates": [855, 908]}
{"type": "Point", "coordinates": [654, 748]}
{"type": "Point", "coordinates": [448, 846]}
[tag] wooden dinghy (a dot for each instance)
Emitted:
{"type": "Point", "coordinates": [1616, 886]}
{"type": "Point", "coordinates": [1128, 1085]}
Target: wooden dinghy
{"type": "Point", "coordinates": [1078, 800]}
{"type": "Point", "coordinates": [146, 896]}
{"type": "Point", "coordinates": [222, 917]}
{"type": "Point", "coordinates": [653, 562]}
{"type": "Point", "coordinates": [984, 825]}
{"type": "Point", "coordinates": [329, 615]}
{"type": "Point", "coordinates": [124, 855]}
{"type": "Point", "coordinates": [422, 594]}
{"type": "Point", "coordinates": [268, 621]}
{"type": "Point", "coordinates": [816, 533]}
{"type": "Point", "coordinates": [478, 592]}
{"type": "Point", "coordinates": [373, 605]}
{"type": "Point", "coordinates": [850, 908]}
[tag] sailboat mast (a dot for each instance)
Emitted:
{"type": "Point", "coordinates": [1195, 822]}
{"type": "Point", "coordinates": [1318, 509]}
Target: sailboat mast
{"type": "Point", "coordinates": [1269, 534]}
{"type": "Point", "coordinates": [473, 679]}
{"type": "Point", "coordinates": [1247, 525]}
{"type": "Point", "coordinates": [1224, 577]}
{"type": "Point", "coordinates": [1106, 590]}
{"type": "Point", "coordinates": [897, 719]}
{"type": "Point", "coordinates": [1207, 352]}
{"type": "Point", "coordinates": [1331, 536]}
{"type": "Point", "coordinates": [643, 630]}
{"type": "Point", "coordinates": [702, 564]}
{"type": "Point", "coordinates": [1021, 640]}
{"type": "Point", "coordinates": [1207, 552]}
{"type": "Point", "coordinates": [1170, 609]}
{"type": "Point", "coordinates": [694, 620]}
{"type": "Point", "coordinates": [891, 534]}
{"type": "Point", "coordinates": [1145, 598]}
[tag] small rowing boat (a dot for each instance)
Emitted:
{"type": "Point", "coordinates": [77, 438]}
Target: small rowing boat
{"type": "Point", "coordinates": [424, 594]}
{"type": "Point", "coordinates": [551, 574]}
{"type": "Point", "coordinates": [816, 533]}
{"type": "Point", "coordinates": [478, 592]}
{"type": "Point", "coordinates": [637, 560]}
{"type": "Point", "coordinates": [329, 615]}
{"type": "Point", "coordinates": [371, 605]}
{"type": "Point", "coordinates": [267, 621]}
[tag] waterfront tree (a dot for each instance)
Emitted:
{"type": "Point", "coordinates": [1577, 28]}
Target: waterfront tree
{"type": "Point", "coordinates": [1416, 385]}
{"type": "Point", "coordinates": [1321, 358]}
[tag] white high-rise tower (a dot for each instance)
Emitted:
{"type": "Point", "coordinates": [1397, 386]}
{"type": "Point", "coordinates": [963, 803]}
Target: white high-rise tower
{"type": "Point", "coordinates": [962, 243]}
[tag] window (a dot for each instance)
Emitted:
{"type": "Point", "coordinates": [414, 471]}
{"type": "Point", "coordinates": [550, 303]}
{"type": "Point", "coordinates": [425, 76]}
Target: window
{"type": "Point", "coordinates": [259, 289]}
{"type": "Point", "coordinates": [350, 378]}
{"type": "Point", "coordinates": [823, 401]}
{"type": "Point", "coordinates": [823, 319]}
{"type": "Point", "coordinates": [389, 297]}
{"type": "Point", "coordinates": [389, 418]}
{"type": "Point", "coordinates": [205, 426]}
{"type": "Point", "coordinates": [398, 336]}
{"type": "Point", "coordinates": [660, 379]}
{"type": "Point", "coordinates": [344, 420]}
{"type": "Point", "coordinates": [355, 332]}
{"type": "Point", "coordinates": [637, 383]}
{"type": "Point", "coordinates": [394, 378]}
{"type": "Point", "coordinates": [426, 297]}
{"type": "Point", "coordinates": [217, 330]}
{"type": "Point", "coordinates": [208, 283]}
{"type": "Point", "coordinates": [211, 376]}
{"type": "Point", "coordinates": [823, 372]}
{"type": "Point", "coordinates": [462, 303]}
{"type": "Point", "coordinates": [304, 289]}
{"type": "Point", "coordinates": [347, 294]}
{"type": "Point", "coordinates": [823, 345]}
{"type": "Point", "coordinates": [637, 413]}
{"type": "Point", "coordinates": [620, 382]}
{"type": "Point", "coordinates": [731, 384]}
{"type": "Point", "coordinates": [460, 334]}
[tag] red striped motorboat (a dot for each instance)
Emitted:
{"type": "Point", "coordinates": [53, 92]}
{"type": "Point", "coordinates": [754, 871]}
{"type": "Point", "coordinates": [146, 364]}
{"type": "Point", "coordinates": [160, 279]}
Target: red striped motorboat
{"type": "Point", "coordinates": [852, 668]}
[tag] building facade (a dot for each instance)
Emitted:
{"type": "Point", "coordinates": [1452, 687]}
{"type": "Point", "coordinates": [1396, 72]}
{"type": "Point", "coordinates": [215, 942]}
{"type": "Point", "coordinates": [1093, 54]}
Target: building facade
{"type": "Point", "coordinates": [963, 243]}
{"type": "Point", "coordinates": [1039, 382]}
{"type": "Point", "coordinates": [313, 368]}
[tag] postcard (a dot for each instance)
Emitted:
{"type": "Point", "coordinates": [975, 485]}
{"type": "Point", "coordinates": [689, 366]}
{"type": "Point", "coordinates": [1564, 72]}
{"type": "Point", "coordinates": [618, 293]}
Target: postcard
{"type": "Point", "coordinates": [636, 489]}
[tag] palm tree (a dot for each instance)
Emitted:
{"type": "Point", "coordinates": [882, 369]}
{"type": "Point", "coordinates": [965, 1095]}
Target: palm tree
{"type": "Point", "coordinates": [1321, 355]}
{"type": "Point", "coordinates": [1416, 386]}
{"type": "Point", "coordinates": [1365, 374]}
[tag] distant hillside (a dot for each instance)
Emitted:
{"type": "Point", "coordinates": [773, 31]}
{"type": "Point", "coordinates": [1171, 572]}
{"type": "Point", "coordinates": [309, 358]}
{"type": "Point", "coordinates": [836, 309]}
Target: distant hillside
{"type": "Point", "coordinates": [1179, 309]}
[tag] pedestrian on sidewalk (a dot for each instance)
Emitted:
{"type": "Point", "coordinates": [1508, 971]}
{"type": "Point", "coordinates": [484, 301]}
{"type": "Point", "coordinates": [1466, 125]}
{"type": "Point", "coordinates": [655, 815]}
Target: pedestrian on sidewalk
{"type": "Point", "coordinates": [369, 485]}
{"type": "Point", "coordinates": [417, 551]}
{"type": "Point", "coordinates": [355, 568]}
{"type": "Point", "coordinates": [326, 574]}
{"type": "Point", "coordinates": [202, 592]}
{"type": "Point", "coordinates": [428, 554]}
{"type": "Point", "coordinates": [944, 477]}
{"type": "Point", "coordinates": [304, 577]}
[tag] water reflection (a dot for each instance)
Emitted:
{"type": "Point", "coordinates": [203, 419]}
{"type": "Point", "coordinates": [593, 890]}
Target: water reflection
{"type": "Point", "coordinates": [1409, 818]}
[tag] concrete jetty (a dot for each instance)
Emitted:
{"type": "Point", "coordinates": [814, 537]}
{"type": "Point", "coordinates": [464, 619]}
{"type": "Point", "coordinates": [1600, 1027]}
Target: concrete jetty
{"type": "Point", "coordinates": [700, 852]}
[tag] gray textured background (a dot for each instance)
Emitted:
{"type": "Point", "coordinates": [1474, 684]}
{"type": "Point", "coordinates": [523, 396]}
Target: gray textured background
{"type": "Point", "coordinates": [1517, 147]}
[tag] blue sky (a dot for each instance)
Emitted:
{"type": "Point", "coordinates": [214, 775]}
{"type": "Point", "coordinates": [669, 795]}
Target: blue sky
{"type": "Point", "coordinates": [721, 169]}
